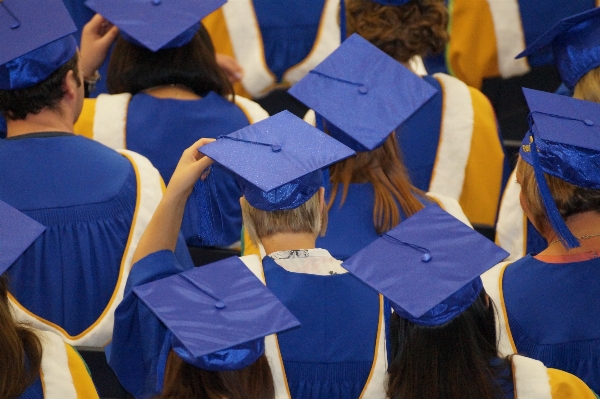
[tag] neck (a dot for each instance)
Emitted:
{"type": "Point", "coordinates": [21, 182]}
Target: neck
{"type": "Point", "coordinates": [288, 241]}
{"type": "Point", "coordinates": [587, 225]}
{"type": "Point", "coordinates": [47, 120]}
{"type": "Point", "coordinates": [174, 91]}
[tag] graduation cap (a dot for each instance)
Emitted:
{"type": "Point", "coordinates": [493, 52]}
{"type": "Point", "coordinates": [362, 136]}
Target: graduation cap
{"type": "Point", "coordinates": [278, 160]}
{"type": "Point", "coordinates": [362, 93]}
{"type": "Point", "coordinates": [156, 24]}
{"type": "Point", "coordinates": [35, 40]}
{"type": "Point", "coordinates": [564, 141]}
{"type": "Point", "coordinates": [217, 315]}
{"type": "Point", "coordinates": [428, 266]}
{"type": "Point", "coordinates": [17, 232]}
{"type": "Point", "coordinates": [575, 45]}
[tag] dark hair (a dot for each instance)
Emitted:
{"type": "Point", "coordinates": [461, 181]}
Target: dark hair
{"type": "Point", "coordinates": [20, 351]}
{"type": "Point", "coordinates": [415, 28]}
{"type": "Point", "coordinates": [456, 360]}
{"type": "Point", "coordinates": [17, 104]}
{"type": "Point", "coordinates": [384, 170]}
{"type": "Point", "coordinates": [133, 68]}
{"type": "Point", "coordinates": [184, 381]}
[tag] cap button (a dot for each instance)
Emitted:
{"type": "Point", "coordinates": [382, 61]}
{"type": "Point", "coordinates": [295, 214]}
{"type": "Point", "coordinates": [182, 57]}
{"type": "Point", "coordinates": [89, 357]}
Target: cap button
{"type": "Point", "coordinates": [275, 148]}
{"type": "Point", "coordinates": [156, 2]}
{"type": "Point", "coordinates": [588, 122]}
{"type": "Point", "coordinates": [219, 304]}
{"type": "Point", "coordinates": [426, 257]}
{"type": "Point", "coordinates": [363, 89]}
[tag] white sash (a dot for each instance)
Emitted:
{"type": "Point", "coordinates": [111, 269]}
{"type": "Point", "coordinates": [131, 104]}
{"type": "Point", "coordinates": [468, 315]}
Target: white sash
{"type": "Point", "coordinates": [110, 119]}
{"type": "Point", "coordinates": [149, 193]}
{"type": "Point", "coordinates": [531, 378]}
{"type": "Point", "coordinates": [57, 380]}
{"type": "Point", "coordinates": [454, 146]}
{"type": "Point", "coordinates": [510, 38]}
{"type": "Point", "coordinates": [511, 229]}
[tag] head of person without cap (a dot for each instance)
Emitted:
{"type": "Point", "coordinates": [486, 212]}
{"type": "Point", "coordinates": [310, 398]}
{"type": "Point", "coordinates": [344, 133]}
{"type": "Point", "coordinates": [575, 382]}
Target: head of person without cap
{"type": "Point", "coordinates": [218, 350]}
{"type": "Point", "coordinates": [360, 96]}
{"type": "Point", "coordinates": [402, 29]}
{"type": "Point", "coordinates": [278, 163]}
{"type": "Point", "coordinates": [38, 58]}
{"type": "Point", "coordinates": [21, 349]}
{"type": "Point", "coordinates": [559, 163]}
{"type": "Point", "coordinates": [443, 332]}
{"type": "Point", "coordinates": [162, 43]}
{"type": "Point", "coordinates": [574, 43]}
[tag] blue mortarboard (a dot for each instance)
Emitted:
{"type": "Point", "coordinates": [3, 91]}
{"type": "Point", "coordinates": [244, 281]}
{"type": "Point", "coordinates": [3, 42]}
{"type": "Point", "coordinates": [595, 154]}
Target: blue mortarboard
{"type": "Point", "coordinates": [278, 161]}
{"type": "Point", "coordinates": [362, 93]}
{"type": "Point", "coordinates": [35, 40]}
{"type": "Point", "coordinates": [217, 315]}
{"type": "Point", "coordinates": [17, 232]}
{"type": "Point", "coordinates": [156, 24]}
{"type": "Point", "coordinates": [575, 44]}
{"type": "Point", "coordinates": [428, 266]}
{"type": "Point", "coordinates": [564, 141]}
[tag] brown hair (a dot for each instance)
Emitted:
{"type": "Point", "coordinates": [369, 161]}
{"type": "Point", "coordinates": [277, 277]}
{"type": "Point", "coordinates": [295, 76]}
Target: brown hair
{"type": "Point", "coordinates": [133, 68]}
{"type": "Point", "coordinates": [588, 87]}
{"type": "Point", "coordinates": [307, 218]}
{"type": "Point", "coordinates": [416, 28]}
{"type": "Point", "coordinates": [17, 104]}
{"type": "Point", "coordinates": [20, 351]}
{"type": "Point", "coordinates": [569, 199]}
{"type": "Point", "coordinates": [384, 170]}
{"type": "Point", "coordinates": [184, 381]}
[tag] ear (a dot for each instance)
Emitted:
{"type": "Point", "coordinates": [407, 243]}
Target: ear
{"type": "Point", "coordinates": [70, 86]}
{"type": "Point", "coordinates": [321, 200]}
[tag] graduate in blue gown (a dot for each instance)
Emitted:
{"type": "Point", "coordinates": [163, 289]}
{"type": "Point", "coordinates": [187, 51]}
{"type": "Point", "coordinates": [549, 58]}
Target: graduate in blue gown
{"type": "Point", "coordinates": [167, 91]}
{"type": "Point", "coordinates": [339, 352]}
{"type": "Point", "coordinates": [88, 196]}
{"type": "Point", "coordinates": [361, 105]}
{"type": "Point", "coordinates": [546, 299]}
{"type": "Point", "coordinates": [442, 331]}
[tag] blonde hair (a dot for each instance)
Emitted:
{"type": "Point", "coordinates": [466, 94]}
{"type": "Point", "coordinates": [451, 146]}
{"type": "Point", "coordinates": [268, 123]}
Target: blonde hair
{"type": "Point", "coordinates": [588, 87]}
{"type": "Point", "coordinates": [569, 199]}
{"type": "Point", "coordinates": [307, 218]}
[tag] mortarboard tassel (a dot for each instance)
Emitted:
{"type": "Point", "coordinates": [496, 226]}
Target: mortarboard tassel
{"type": "Point", "coordinates": [17, 23]}
{"type": "Point", "coordinates": [206, 226]}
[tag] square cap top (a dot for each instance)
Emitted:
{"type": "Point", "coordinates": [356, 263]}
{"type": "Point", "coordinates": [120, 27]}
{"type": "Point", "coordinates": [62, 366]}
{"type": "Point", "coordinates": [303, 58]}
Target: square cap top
{"type": "Point", "coordinates": [17, 232]}
{"type": "Point", "coordinates": [26, 25]}
{"type": "Point", "coordinates": [156, 24]}
{"type": "Point", "coordinates": [363, 92]}
{"type": "Point", "coordinates": [215, 307]}
{"type": "Point", "coordinates": [563, 119]}
{"type": "Point", "coordinates": [276, 151]}
{"type": "Point", "coordinates": [425, 261]}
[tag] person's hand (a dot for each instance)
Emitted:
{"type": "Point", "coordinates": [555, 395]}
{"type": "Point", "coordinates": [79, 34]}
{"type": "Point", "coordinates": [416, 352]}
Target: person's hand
{"type": "Point", "coordinates": [230, 66]}
{"type": "Point", "coordinates": [96, 38]}
{"type": "Point", "coordinates": [190, 168]}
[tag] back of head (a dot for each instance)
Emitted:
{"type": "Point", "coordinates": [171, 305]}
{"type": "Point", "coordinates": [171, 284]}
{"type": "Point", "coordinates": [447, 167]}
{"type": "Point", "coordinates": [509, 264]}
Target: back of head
{"type": "Point", "coordinates": [405, 31]}
{"type": "Point", "coordinates": [184, 381]}
{"type": "Point", "coordinates": [588, 87]}
{"type": "Point", "coordinates": [133, 68]}
{"type": "Point", "coordinates": [450, 361]}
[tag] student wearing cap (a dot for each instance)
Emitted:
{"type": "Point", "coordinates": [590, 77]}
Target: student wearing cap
{"type": "Point", "coordinates": [360, 96]}
{"type": "Point", "coordinates": [211, 352]}
{"type": "Point", "coordinates": [443, 340]}
{"type": "Point", "coordinates": [94, 201]}
{"type": "Point", "coordinates": [574, 44]}
{"type": "Point", "coordinates": [276, 43]}
{"type": "Point", "coordinates": [167, 91]}
{"type": "Point", "coordinates": [339, 352]}
{"type": "Point", "coordinates": [35, 364]}
{"type": "Point", "coordinates": [546, 299]}
{"type": "Point", "coordinates": [451, 145]}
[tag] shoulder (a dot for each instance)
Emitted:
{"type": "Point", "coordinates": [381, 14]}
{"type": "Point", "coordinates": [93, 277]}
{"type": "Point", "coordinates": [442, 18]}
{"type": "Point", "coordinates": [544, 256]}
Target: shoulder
{"type": "Point", "coordinates": [454, 88]}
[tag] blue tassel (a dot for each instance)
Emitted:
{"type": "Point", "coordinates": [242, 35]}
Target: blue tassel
{"type": "Point", "coordinates": [557, 222]}
{"type": "Point", "coordinates": [162, 361]}
{"type": "Point", "coordinates": [206, 226]}
{"type": "Point", "coordinates": [342, 21]}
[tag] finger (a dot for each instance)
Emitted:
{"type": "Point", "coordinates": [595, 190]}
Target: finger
{"type": "Point", "coordinates": [95, 24]}
{"type": "Point", "coordinates": [110, 35]}
{"type": "Point", "coordinates": [193, 149]}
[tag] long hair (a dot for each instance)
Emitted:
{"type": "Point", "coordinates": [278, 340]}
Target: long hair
{"type": "Point", "coordinates": [452, 361]}
{"type": "Point", "coordinates": [133, 68]}
{"type": "Point", "coordinates": [184, 381]}
{"type": "Point", "coordinates": [384, 170]}
{"type": "Point", "coordinates": [20, 351]}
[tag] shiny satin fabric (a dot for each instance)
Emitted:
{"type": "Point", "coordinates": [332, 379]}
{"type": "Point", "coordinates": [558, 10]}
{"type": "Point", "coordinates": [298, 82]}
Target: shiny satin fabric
{"type": "Point", "coordinates": [577, 51]}
{"type": "Point", "coordinates": [37, 65]}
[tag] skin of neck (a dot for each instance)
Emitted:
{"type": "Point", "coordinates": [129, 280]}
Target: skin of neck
{"type": "Point", "coordinates": [174, 92]}
{"type": "Point", "coordinates": [581, 224]}
{"type": "Point", "coordinates": [288, 241]}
